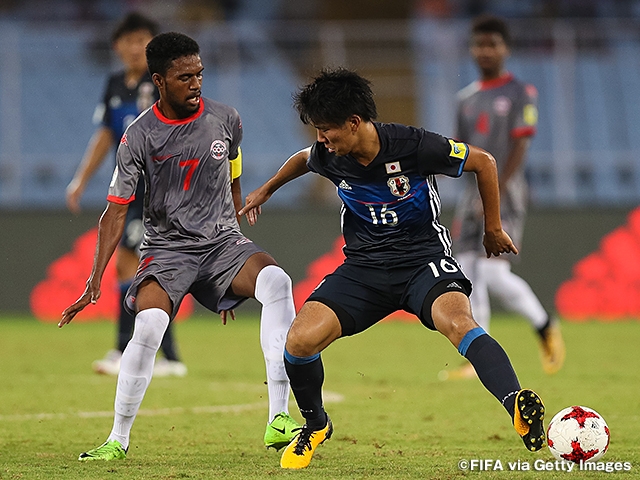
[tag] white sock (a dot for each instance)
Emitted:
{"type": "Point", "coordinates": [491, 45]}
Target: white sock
{"type": "Point", "coordinates": [136, 369]}
{"type": "Point", "coordinates": [273, 291]}
{"type": "Point", "coordinates": [514, 293]}
{"type": "Point", "coordinates": [480, 304]}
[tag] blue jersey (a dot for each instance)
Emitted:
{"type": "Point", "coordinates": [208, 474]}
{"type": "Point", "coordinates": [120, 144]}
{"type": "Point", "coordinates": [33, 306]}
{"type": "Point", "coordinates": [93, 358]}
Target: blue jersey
{"type": "Point", "coordinates": [391, 207]}
{"type": "Point", "coordinates": [121, 105]}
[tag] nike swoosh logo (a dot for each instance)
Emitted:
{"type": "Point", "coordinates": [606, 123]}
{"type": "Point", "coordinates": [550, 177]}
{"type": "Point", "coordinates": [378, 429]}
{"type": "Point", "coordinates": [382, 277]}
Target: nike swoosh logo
{"type": "Point", "coordinates": [162, 158]}
{"type": "Point", "coordinates": [281, 430]}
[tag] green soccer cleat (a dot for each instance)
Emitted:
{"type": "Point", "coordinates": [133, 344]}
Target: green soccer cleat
{"type": "Point", "coordinates": [280, 431]}
{"type": "Point", "coordinates": [109, 450]}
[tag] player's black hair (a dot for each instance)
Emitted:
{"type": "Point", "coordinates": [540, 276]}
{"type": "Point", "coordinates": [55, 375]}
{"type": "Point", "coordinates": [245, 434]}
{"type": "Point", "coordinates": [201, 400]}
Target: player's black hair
{"type": "Point", "coordinates": [134, 22]}
{"type": "Point", "coordinates": [335, 95]}
{"type": "Point", "coordinates": [167, 47]}
{"type": "Point", "coordinates": [491, 24]}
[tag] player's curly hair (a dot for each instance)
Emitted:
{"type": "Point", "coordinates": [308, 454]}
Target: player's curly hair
{"type": "Point", "coordinates": [333, 96]}
{"type": "Point", "coordinates": [167, 47]}
{"type": "Point", "coordinates": [491, 24]}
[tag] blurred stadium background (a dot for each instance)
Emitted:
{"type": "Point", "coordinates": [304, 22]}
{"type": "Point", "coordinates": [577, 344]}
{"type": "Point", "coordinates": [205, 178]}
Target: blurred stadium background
{"type": "Point", "coordinates": [582, 55]}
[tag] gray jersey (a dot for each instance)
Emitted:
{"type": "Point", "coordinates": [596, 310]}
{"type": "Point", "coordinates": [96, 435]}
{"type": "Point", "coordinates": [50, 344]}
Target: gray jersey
{"type": "Point", "coordinates": [491, 115]}
{"type": "Point", "coordinates": [185, 164]}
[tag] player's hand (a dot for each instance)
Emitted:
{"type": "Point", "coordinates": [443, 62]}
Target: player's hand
{"type": "Point", "coordinates": [252, 205]}
{"type": "Point", "coordinates": [73, 195]}
{"type": "Point", "coordinates": [224, 313]}
{"type": "Point", "coordinates": [91, 295]}
{"type": "Point", "coordinates": [498, 242]}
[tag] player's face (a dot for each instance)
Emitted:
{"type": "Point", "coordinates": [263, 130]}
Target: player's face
{"type": "Point", "coordinates": [490, 52]}
{"type": "Point", "coordinates": [338, 139]}
{"type": "Point", "coordinates": [180, 88]}
{"type": "Point", "coordinates": [130, 47]}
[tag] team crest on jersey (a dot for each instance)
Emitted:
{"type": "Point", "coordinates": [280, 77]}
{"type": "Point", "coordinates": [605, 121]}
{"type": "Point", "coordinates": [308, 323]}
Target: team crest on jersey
{"type": "Point", "coordinates": [123, 140]}
{"type": "Point", "coordinates": [399, 186]}
{"type": "Point", "coordinates": [218, 149]}
{"type": "Point", "coordinates": [502, 105]}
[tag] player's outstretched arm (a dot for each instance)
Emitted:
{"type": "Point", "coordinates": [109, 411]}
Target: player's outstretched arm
{"type": "Point", "coordinates": [110, 230]}
{"type": "Point", "coordinates": [100, 144]}
{"type": "Point", "coordinates": [482, 163]}
{"type": "Point", "coordinates": [294, 167]}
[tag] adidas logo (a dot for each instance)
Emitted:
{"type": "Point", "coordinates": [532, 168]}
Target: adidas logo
{"type": "Point", "coordinates": [454, 285]}
{"type": "Point", "coordinates": [344, 185]}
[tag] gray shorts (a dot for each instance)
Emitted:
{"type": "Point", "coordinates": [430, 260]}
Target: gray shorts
{"type": "Point", "coordinates": [207, 274]}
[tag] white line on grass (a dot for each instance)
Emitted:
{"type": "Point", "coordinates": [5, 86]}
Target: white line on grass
{"type": "Point", "coordinates": [329, 397]}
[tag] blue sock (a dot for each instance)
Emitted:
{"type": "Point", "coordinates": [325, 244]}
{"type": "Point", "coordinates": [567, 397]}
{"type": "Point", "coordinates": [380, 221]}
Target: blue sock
{"type": "Point", "coordinates": [306, 376]}
{"type": "Point", "coordinates": [492, 365]}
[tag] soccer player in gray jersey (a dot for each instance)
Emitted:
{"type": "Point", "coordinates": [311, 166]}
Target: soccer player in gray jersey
{"type": "Point", "coordinates": [499, 114]}
{"type": "Point", "coordinates": [128, 93]}
{"type": "Point", "coordinates": [182, 147]}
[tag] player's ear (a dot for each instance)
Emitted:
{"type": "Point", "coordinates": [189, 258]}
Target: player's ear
{"type": "Point", "coordinates": [354, 122]}
{"type": "Point", "coordinates": [158, 80]}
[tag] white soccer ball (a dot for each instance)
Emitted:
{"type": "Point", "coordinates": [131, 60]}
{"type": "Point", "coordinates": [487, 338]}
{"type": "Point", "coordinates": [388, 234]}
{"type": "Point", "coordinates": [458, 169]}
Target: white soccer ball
{"type": "Point", "coordinates": [578, 434]}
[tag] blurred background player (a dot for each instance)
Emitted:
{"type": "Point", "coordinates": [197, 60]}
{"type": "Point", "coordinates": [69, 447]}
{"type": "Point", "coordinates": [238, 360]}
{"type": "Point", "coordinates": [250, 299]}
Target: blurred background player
{"type": "Point", "coordinates": [128, 93]}
{"type": "Point", "coordinates": [499, 114]}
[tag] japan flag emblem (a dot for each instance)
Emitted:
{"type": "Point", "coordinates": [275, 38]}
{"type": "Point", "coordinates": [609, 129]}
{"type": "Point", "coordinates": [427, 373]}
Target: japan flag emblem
{"type": "Point", "coordinates": [392, 167]}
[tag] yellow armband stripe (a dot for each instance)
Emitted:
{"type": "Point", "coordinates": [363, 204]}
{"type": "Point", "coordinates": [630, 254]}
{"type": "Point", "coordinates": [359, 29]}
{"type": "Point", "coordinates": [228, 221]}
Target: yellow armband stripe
{"type": "Point", "coordinates": [236, 165]}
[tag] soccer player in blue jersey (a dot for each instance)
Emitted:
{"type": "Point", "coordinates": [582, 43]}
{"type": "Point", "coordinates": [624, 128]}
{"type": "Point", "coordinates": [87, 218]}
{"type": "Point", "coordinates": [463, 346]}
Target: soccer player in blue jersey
{"type": "Point", "coordinates": [398, 255]}
{"type": "Point", "coordinates": [499, 113]}
{"type": "Point", "coordinates": [128, 92]}
{"type": "Point", "coordinates": [184, 148]}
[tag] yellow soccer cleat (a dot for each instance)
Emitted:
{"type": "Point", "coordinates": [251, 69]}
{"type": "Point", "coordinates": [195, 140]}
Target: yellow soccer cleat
{"type": "Point", "coordinates": [299, 452]}
{"type": "Point", "coordinates": [527, 419]}
{"type": "Point", "coordinates": [552, 350]}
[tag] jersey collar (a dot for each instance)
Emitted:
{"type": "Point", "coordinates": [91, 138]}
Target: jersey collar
{"type": "Point", "coordinates": [496, 82]}
{"type": "Point", "coordinates": [180, 121]}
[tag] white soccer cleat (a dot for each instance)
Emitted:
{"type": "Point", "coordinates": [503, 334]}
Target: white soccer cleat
{"type": "Point", "coordinates": [109, 365]}
{"type": "Point", "coordinates": [169, 368]}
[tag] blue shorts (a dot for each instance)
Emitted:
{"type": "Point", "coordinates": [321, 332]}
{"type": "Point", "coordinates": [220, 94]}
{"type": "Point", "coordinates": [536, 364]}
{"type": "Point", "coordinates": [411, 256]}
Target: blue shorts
{"type": "Point", "coordinates": [362, 295]}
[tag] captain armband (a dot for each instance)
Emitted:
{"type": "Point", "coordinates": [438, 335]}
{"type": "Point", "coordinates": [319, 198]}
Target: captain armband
{"type": "Point", "coordinates": [236, 166]}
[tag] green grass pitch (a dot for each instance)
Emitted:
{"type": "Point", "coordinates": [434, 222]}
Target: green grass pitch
{"type": "Point", "coordinates": [393, 418]}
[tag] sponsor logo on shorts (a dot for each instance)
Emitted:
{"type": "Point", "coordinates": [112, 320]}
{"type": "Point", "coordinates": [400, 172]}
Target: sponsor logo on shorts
{"type": "Point", "coordinates": [242, 241]}
{"type": "Point", "coordinates": [218, 149]}
{"type": "Point", "coordinates": [455, 285]}
{"type": "Point", "coordinates": [144, 264]}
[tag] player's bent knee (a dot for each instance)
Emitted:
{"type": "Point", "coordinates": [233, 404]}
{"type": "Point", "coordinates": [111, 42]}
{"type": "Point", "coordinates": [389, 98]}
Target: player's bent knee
{"type": "Point", "coordinates": [444, 301]}
{"type": "Point", "coordinates": [299, 342]}
{"type": "Point", "coordinates": [150, 326]}
{"type": "Point", "coordinates": [273, 284]}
